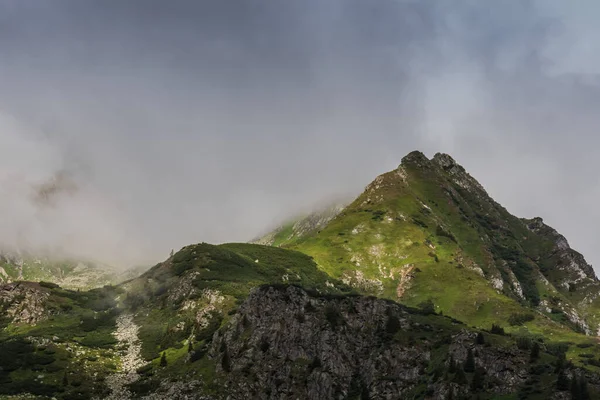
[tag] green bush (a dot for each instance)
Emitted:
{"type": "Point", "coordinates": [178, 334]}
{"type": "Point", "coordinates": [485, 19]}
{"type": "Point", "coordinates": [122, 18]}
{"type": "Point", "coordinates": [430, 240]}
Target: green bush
{"type": "Point", "coordinates": [519, 319]}
{"type": "Point", "coordinates": [101, 339]}
{"type": "Point", "coordinates": [497, 330]}
{"type": "Point", "coordinates": [440, 231]}
{"type": "Point", "coordinates": [392, 325]}
{"type": "Point", "coordinates": [427, 307]}
{"type": "Point", "coordinates": [49, 285]}
{"type": "Point", "coordinates": [524, 343]}
{"type": "Point", "coordinates": [480, 339]}
{"type": "Point", "coordinates": [92, 322]}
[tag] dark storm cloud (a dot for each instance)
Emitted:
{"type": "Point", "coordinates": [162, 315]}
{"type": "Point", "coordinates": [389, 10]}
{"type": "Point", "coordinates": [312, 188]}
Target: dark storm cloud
{"type": "Point", "coordinates": [189, 121]}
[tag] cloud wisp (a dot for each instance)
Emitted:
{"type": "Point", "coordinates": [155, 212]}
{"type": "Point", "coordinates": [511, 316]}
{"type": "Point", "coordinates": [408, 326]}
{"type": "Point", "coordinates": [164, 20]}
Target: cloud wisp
{"type": "Point", "coordinates": [210, 122]}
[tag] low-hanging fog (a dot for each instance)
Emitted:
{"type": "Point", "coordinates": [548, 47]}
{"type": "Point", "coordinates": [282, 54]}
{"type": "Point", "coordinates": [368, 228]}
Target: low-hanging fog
{"type": "Point", "coordinates": [128, 128]}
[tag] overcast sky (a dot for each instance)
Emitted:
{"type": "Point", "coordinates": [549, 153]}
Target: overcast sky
{"type": "Point", "coordinates": [189, 121]}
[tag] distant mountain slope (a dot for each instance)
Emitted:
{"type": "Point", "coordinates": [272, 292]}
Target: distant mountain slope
{"type": "Point", "coordinates": [300, 227]}
{"type": "Point", "coordinates": [68, 273]}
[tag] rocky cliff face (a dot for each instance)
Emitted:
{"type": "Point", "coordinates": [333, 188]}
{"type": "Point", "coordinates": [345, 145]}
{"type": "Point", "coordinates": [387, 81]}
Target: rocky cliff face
{"type": "Point", "coordinates": [571, 268]}
{"type": "Point", "coordinates": [285, 343]}
{"type": "Point", "coordinates": [24, 302]}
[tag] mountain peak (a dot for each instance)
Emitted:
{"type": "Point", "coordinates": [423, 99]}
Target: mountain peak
{"type": "Point", "coordinates": [444, 160]}
{"type": "Point", "coordinates": [415, 157]}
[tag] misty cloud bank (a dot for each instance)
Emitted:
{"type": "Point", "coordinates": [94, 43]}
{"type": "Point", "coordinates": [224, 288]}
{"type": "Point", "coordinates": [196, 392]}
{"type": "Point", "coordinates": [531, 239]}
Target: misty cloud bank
{"type": "Point", "coordinates": [179, 122]}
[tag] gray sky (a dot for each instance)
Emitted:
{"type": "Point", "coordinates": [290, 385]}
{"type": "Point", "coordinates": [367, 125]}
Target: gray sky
{"type": "Point", "coordinates": [188, 121]}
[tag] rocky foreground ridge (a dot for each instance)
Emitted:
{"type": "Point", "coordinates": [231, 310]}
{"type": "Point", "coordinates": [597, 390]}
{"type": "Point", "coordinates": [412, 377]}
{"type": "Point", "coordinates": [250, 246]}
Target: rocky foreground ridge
{"type": "Point", "coordinates": [285, 343]}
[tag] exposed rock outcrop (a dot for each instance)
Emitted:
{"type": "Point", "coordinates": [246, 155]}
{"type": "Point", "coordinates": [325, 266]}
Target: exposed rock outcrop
{"type": "Point", "coordinates": [286, 343]}
{"type": "Point", "coordinates": [24, 302]}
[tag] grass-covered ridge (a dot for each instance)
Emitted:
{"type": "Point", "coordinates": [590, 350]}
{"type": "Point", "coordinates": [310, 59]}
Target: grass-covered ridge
{"type": "Point", "coordinates": [179, 306]}
{"type": "Point", "coordinates": [429, 231]}
{"type": "Point", "coordinates": [65, 343]}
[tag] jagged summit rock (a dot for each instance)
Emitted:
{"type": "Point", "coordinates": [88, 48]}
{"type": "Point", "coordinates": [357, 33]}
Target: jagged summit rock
{"type": "Point", "coordinates": [446, 162]}
{"type": "Point", "coordinates": [415, 157]}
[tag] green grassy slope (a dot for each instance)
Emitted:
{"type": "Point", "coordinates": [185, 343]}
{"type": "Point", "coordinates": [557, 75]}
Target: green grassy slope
{"type": "Point", "coordinates": [70, 352]}
{"type": "Point", "coordinates": [297, 228]}
{"type": "Point", "coordinates": [66, 351]}
{"type": "Point", "coordinates": [426, 235]}
{"type": "Point", "coordinates": [180, 303]}
{"type": "Point", "coordinates": [429, 231]}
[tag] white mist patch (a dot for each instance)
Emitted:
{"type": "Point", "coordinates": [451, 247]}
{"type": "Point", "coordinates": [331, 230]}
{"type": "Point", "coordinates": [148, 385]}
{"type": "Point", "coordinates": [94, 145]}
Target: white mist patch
{"type": "Point", "coordinates": [48, 207]}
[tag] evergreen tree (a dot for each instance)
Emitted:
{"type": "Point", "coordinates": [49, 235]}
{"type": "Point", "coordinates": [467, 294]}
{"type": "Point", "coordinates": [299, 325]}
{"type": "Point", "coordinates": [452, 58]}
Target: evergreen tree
{"type": "Point", "coordinates": [561, 361]}
{"type": "Point", "coordinates": [226, 360]}
{"type": "Point", "coordinates": [427, 307]}
{"type": "Point", "coordinates": [478, 377]}
{"type": "Point", "coordinates": [460, 377]}
{"type": "Point", "coordinates": [584, 393]}
{"type": "Point", "coordinates": [562, 382]}
{"type": "Point", "coordinates": [364, 394]}
{"type": "Point", "coordinates": [497, 329]}
{"type": "Point", "coordinates": [575, 394]}
{"type": "Point", "coordinates": [163, 360]}
{"type": "Point", "coordinates": [469, 365]}
{"type": "Point", "coordinates": [480, 338]}
{"type": "Point", "coordinates": [535, 352]}
{"type": "Point", "coordinates": [356, 387]}
{"type": "Point", "coordinates": [452, 365]}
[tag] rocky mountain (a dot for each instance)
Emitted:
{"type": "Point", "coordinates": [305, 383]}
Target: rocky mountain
{"type": "Point", "coordinates": [429, 231]}
{"type": "Point", "coordinates": [300, 227]}
{"type": "Point", "coordinates": [422, 288]}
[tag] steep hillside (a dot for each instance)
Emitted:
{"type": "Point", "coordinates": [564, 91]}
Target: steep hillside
{"type": "Point", "coordinates": [300, 227]}
{"type": "Point", "coordinates": [239, 320]}
{"type": "Point", "coordinates": [74, 344]}
{"type": "Point", "coordinates": [56, 342]}
{"type": "Point", "coordinates": [191, 293]}
{"type": "Point", "coordinates": [429, 231]}
{"type": "Point", "coordinates": [422, 288]}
